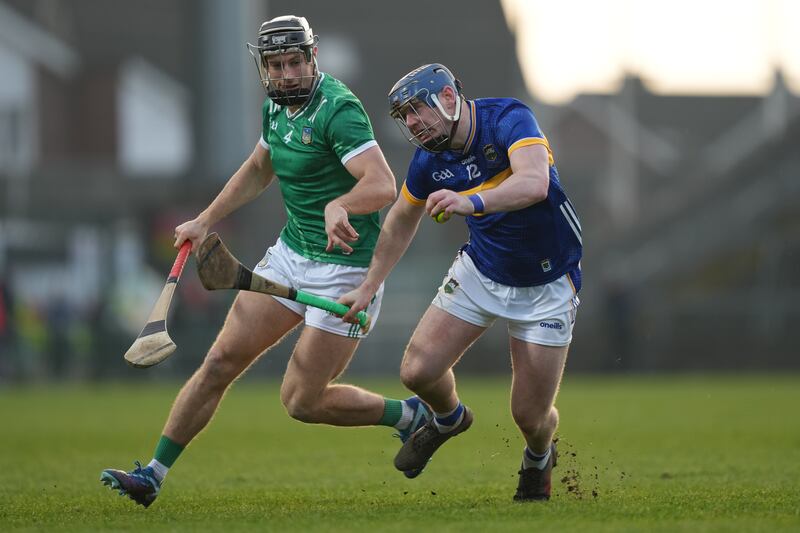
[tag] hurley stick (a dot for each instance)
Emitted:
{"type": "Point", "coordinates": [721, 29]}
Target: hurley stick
{"type": "Point", "coordinates": [219, 269]}
{"type": "Point", "coordinates": [153, 344]}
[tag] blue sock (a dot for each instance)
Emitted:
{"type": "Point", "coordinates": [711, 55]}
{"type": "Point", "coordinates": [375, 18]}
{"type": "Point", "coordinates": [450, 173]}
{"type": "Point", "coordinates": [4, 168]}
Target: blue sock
{"type": "Point", "coordinates": [446, 422]}
{"type": "Point", "coordinates": [533, 460]}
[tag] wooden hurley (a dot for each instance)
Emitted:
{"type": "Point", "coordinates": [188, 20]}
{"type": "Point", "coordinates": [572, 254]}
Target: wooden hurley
{"type": "Point", "coordinates": [219, 269]}
{"type": "Point", "coordinates": [154, 344]}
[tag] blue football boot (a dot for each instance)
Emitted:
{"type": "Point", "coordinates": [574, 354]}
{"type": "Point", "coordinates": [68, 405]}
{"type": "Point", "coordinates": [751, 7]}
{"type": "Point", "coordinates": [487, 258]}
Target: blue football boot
{"type": "Point", "coordinates": [421, 416]}
{"type": "Point", "coordinates": [141, 484]}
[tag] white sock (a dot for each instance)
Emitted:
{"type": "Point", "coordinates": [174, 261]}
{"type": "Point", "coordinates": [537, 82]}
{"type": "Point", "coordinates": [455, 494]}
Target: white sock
{"type": "Point", "coordinates": [450, 425]}
{"type": "Point", "coordinates": [532, 460]}
{"type": "Point", "coordinates": [159, 470]}
{"type": "Point", "coordinates": [406, 418]}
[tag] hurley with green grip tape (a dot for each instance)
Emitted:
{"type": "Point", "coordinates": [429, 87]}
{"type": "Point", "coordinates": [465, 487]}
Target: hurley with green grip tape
{"type": "Point", "coordinates": [219, 269]}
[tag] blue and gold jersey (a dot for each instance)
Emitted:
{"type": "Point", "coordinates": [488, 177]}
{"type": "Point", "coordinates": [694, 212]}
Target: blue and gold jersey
{"type": "Point", "coordinates": [532, 246]}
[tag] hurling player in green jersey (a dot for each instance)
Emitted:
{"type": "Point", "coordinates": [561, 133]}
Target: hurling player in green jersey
{"type": "Point", "coordinates": [318, 143]}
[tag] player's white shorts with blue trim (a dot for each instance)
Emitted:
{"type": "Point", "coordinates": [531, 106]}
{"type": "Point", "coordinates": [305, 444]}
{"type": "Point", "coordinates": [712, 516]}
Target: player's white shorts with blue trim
{"type": "Point", "coordinates": [285, 266]}
{"type": "Point", "coordinates": [544, 314]}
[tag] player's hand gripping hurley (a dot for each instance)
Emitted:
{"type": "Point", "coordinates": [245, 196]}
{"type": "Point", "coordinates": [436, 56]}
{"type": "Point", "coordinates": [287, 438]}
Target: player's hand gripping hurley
{"type": "Point", "coordinates": [153, 344]}
{"type": "Point", "coordinates": [219, 269]}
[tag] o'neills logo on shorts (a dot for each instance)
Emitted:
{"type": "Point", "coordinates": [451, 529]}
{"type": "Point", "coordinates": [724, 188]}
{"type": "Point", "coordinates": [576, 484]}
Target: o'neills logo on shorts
{"type": "Point", "coordinates": [551, 325]}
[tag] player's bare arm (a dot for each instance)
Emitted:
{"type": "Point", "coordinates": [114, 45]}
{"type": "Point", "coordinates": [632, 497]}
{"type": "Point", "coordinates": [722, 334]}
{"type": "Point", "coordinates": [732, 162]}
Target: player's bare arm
{"type": "Point", "coordinates": [526, 186]}
{"type": "Point", "coordinates": [247, 183]}
{"type": "Point", "coordinates": [397, 232]}
{"type": "Point", "coordinates": [375, 189]}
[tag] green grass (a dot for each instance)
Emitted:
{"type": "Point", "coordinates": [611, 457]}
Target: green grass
{"type": "Point", "coordinates": [640, 453]}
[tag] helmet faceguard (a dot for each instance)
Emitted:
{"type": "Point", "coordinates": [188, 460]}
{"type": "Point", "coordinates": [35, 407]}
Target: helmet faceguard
{"type": "Point", "coordinates": [278, 40]}
{"type": "Point", "coordinates": [422, 87]}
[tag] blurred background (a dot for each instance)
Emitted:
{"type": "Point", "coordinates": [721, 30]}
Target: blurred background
{"type": "Point", "coordinates": [675, 127]}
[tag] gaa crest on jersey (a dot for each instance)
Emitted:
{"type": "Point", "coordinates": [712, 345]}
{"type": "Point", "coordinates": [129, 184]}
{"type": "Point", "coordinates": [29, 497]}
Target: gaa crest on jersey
{"type": "Point", "coordinates": [546, 266]}
{"type": "Point", "coordinates": [489, 152]}
{"type": "Point", "coordinates": [306, 136]}
{"type": "Point", "coordinates": [441, 175]}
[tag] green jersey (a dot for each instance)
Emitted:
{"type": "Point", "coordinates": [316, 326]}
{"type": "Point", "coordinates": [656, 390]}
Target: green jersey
{"type": "Point", "coordinates": [309, 150]}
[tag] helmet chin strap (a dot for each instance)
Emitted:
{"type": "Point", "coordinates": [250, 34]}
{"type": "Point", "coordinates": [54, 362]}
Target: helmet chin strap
{"type": "Point", "coordinates": [455, 118]}
{"type": "Point", "coordinates": [456, 113]}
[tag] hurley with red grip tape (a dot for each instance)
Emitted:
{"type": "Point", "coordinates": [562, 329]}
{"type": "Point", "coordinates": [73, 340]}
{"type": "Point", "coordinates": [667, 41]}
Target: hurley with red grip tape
{"type": "Point", "coordinates": [154, 344]}
{"type": "Point", "coordinates": [180, 261]}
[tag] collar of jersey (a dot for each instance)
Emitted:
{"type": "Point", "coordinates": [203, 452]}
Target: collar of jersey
{"type": "Point", "coordinates": [454, 155]}
{"type": "Point", "coordinates": [473, 127]}
{"type": "Point", "coordinates": [292, 116]}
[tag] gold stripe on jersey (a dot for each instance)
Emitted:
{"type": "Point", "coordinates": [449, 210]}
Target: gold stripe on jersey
{"type": "Point", "coordinates": [491, 183]}
{"type": "Point", "coordinates": [410, 197]}
{"type": "Point", "coordinates": [569, 278]}
{"type": "Point", "coordinates": [530, 141]}
{"type": "Point", "coordinates": [473, 127]}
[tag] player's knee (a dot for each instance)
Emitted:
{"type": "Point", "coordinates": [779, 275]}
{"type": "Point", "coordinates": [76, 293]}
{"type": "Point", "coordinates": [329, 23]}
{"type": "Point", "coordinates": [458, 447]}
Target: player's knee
{"type": "Point", "coordinates": [217, 370]}
{"type": "Point", "coordinates": [300, 411]}
{"type": "Point", "coordinates": [415, 375]}
{"type": "Point", "coordinates": [299, 405]}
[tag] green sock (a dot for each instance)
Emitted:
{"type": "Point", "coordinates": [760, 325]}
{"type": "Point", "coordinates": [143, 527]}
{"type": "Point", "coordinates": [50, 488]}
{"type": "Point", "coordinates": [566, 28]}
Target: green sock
{"type": "Point", "coordinates": [392, 411]}
{"type": "Point", "coordinates": [167, 451]}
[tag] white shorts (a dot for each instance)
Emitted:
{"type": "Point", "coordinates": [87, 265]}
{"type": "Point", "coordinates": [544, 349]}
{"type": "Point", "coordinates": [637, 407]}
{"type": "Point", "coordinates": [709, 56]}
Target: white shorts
{"type": "Point", "coordinates": [544, 314]}
{"type": "Point", "coordinates": [285, 266]}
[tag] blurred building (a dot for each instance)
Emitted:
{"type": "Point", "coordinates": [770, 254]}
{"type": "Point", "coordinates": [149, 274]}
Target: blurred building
{"type": "Point", "coordinates": [119, 120]}
{"type": "Point", "coordinates": [692, 225]}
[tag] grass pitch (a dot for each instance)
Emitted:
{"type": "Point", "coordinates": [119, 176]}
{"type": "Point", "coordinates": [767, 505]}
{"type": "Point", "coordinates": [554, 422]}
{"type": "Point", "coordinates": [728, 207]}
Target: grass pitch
{"type": "Point", "coordinates": [637, 454]}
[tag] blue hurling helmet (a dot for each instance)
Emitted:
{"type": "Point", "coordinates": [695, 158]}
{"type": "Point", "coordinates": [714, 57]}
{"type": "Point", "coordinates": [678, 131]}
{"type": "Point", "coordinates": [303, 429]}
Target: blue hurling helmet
{"type": "Point", "coordinates": [422, 86]}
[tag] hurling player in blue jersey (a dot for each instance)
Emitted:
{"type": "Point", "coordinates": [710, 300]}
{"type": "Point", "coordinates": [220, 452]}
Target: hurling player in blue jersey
{"type": "Point", "coordinates": [488, 161]}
